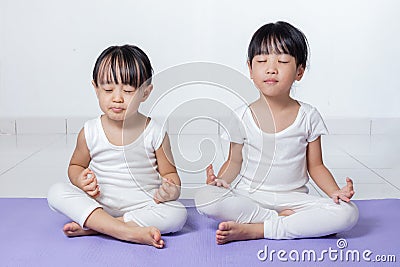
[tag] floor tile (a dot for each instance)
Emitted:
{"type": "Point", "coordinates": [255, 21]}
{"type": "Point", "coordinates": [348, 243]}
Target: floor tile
{"type": "Point", "coordinates": [30, 182]}
{"type": "Point", "coordinates": [353, 144]}
{"type": "Point", "coordinates": [10, 159]}
{"type": "Point", "coordinates": [375, 191]}
{"type": "Point", "coordinates": [378, 161]}
{"type": "Point", "coordinates": [30, 164]}
{"type": "Point", "coordinates": [342, 162]}
{"type": "Point", "coordinates": [193, 153]}
{"type": "Point", "coordinates": [390, 175]}
{"type": "Point", "coordinates": [359, 176]}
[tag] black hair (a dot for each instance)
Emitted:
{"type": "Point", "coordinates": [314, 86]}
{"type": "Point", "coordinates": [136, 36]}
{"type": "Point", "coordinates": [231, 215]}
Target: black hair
{"type": "Point", "coordinates": [126, 64]}
{"type": "Point", "coordinates": [279, 38]}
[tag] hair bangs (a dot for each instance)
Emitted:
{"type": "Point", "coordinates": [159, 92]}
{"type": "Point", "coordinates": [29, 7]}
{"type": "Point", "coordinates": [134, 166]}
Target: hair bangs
{"type": "Point", "coordinates": [114, 69]}
{"type": "Point", "coordinates": [123, 65]}
{"type": "Point", "coordinates": [273, 45]}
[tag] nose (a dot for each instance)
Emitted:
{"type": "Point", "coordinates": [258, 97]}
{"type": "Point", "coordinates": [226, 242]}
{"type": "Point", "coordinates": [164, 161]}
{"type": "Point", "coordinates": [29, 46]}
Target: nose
{"type": "Point", "coordinates": [117, 96]}
{"type": "Point", "coordinates": [271, 68]}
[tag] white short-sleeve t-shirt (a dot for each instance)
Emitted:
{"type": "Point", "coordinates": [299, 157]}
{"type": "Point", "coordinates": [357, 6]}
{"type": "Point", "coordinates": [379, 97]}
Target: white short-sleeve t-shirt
{"type": "Point", "coordinates": [275, 162]}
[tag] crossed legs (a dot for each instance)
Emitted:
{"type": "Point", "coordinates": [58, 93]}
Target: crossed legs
{"type": "Point", "coordinates": [143, 225]}
{"type": "Point", "coordinates": [273, 215]}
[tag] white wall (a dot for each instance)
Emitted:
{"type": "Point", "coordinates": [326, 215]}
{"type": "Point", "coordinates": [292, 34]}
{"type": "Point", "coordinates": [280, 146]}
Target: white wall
{"type": "Point", "coordinates": [48, 48]}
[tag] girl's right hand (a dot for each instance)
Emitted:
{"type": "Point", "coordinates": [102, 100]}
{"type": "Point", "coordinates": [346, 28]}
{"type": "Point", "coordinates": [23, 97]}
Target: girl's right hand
{"type": "Point", "coordinates": [210, 175]}
{"type": "Point", "coordinates": [212, 179]}
{"type": "Point", "coordinates": [88, 183]}
{"type": "Point", "coordinates": [221, 183]}
{"type": "Point", "coordinates": [345, 194]}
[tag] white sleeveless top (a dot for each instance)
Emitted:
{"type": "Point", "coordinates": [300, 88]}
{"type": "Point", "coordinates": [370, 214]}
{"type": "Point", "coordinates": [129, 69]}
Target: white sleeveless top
{"type": "Point", "coordinates": [275, 162]}
{"type": "Point", "coordinates": [127, 175]}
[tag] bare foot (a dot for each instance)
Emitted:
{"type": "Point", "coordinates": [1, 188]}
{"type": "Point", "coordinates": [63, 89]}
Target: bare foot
{"type": "Point", "coordinates": [148, 236]}
{"type": "Point", "coordinates": [231, 231]}
{"type": "Point", "coordinates": [136, 234]}
{"type": "Point", "coordinates": [73, 229]}
{"type": "Point", "coordinates": [286, 212]}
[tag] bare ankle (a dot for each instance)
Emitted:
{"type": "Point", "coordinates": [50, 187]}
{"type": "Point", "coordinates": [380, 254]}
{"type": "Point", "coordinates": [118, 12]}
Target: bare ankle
{"type": "Point", "coordinates": [286, 212]}
{"type": "Point", "coordinates": [232, 231]}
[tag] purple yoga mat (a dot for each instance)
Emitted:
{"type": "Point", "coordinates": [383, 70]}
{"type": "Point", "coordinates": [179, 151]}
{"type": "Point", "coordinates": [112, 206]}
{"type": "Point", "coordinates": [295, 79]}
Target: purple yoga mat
{"type": "Point", "coordinates": [31, 235]}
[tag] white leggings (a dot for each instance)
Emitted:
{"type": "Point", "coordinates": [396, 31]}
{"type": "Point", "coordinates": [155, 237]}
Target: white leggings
{"type": "Point", "coordinates": [314, 216]}
{"type": "Point", "coordinates": [77, 205]}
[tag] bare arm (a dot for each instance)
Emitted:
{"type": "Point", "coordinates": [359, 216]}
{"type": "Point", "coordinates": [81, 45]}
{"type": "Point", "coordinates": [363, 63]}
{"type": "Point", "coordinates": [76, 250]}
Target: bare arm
{"type": "Point", "coordinates": [322, 176]}
{"type": "Point", "coordinates": [170, 187]}
{"type": "Point", "coordinates": [165, 161]}
{"type": "Point", "coordinates": [78, 168]}
{"type": "Point", "coordinates": [80, 159]}
{"type": "Point", "coordinates": [231, 167]}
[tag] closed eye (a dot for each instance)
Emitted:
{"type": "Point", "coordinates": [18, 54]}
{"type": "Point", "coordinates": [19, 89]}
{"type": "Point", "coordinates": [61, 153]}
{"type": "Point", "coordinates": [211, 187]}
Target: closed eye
{"type": "Point", "coordinates": [281, 61]}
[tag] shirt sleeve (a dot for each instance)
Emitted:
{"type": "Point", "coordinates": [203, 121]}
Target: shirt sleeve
{"type": "Point", "coordinates": [233, 130]}
{"type": "Point", "coordinates": [317, 126]}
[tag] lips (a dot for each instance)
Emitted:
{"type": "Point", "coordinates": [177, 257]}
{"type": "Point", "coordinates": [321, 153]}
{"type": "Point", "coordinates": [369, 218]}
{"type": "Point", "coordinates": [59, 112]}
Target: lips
{"type": "Point", "coordinates": [271, 81]}
{"type": "Point", "coordinates": [117, 110]}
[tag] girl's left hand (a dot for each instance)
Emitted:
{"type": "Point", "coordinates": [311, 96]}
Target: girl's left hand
{"type": "Point", "coordinates": [168, 191]}
{"type": "Point", "coordinates": [345, 194]}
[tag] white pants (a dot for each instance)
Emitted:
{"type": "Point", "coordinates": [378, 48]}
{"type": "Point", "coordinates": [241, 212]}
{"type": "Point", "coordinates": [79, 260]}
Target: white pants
{"type": "Point", "coordinates": [77, 205]}
{"type": "Point", "coordinates": [314, 216]}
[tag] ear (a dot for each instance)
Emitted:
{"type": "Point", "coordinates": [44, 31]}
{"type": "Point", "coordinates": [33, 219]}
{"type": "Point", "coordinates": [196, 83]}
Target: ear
{"type": "Point", "coordinates": [146, 92]}
{"type": "Point", "coordinates": [250, 69]}
{"type": "Point", "coordinates": [96, 89]}
{"type": "Point", "coordinates": [300, 73]}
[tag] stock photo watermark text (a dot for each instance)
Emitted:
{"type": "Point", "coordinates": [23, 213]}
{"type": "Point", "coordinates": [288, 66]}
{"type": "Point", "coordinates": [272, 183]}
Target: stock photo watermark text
{"type": "Point", "coordinates": [340, 253]}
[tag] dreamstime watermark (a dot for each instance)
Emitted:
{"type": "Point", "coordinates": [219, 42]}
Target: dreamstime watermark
{"type": "Point", "coordinates": [339, 253]}
{"type": "Point", "coordinates": [200, 99]}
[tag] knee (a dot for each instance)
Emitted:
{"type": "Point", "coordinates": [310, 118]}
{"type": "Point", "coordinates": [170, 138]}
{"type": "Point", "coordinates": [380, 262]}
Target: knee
{"type": "Point", "coordinates": [179, 215]}
{"type": "Point", "coordinates": [54, 194]}
{"type": "Point", "coordinates": [349, 215]}
{"type": "Point", "coordinates": [58, 192]}
{"type": "Point", "coordinates": [175, 219]}
{"type": "Point", "coordinates": [206, 197]}
{"type": "Point", "coordinates": [200, 198]}
{"type": "Point", "coordinates": [353, 213]}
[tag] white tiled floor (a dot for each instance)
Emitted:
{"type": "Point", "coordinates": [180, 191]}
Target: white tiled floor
{"type": "Point", "coordinates": [31, 163]}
